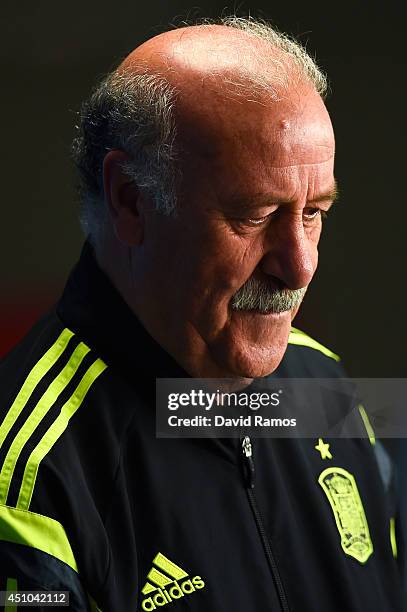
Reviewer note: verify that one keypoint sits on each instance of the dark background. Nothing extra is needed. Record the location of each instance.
(53, 53)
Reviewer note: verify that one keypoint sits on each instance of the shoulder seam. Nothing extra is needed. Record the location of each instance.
(37, 531)
(300, 338)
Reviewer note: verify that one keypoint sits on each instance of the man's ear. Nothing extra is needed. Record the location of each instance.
(123, 199)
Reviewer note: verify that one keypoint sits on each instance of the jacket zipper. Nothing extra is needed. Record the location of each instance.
(250, 482)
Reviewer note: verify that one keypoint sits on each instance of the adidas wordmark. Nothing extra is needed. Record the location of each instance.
(167, 582)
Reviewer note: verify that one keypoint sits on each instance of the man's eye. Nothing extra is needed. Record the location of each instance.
(257, 221)
(310, 214)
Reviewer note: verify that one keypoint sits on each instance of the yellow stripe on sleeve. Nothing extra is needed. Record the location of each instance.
(366, 422)
(299, 338)
(37, 373)
(55, 431)
(11, 587)
(393, 541)
(38, 531)
(38, 413)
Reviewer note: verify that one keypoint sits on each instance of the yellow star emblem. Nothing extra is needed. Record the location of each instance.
(323, 448)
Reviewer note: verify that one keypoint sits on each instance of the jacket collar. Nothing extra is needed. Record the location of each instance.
(92, 307)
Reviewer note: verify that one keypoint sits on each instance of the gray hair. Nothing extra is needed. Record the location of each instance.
(131, 112)
(134, 112)
(257, 295)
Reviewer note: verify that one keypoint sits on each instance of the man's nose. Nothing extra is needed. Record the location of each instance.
(290, 255)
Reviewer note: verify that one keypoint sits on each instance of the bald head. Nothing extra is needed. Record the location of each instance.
(172, 84)
(237, 55)
(200, 52)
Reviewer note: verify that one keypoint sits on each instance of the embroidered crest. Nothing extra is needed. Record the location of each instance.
(343, 495)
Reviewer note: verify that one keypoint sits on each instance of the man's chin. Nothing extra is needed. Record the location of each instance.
(255, 366)
(254, 344)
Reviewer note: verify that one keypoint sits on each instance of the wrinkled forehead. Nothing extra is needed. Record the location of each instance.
(227, 126)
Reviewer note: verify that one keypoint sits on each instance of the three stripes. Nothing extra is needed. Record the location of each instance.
(158, 578)
(42, 407)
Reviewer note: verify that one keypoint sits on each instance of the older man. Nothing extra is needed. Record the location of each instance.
(206, 161)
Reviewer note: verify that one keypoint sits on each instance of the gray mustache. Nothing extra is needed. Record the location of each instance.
(258, 295)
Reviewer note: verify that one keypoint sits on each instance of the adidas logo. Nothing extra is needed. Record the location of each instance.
(167, 582)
